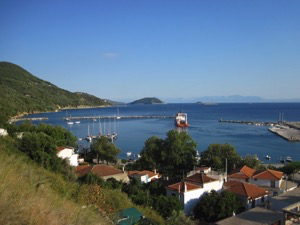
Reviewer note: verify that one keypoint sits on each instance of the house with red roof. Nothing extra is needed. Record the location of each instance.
(144, 176)
(68, 153)
(250, 194)
(192, 188)
(103, 171)
(268, 178)
(243, 174)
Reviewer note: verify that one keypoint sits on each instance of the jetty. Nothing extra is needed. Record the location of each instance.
(290, 131)
(255, 123)
(115, 117)
(30, 119)
(286, 132)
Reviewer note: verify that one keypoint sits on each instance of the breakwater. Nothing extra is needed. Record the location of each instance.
(31, 119)
(115, 117)
(255, 123)
(289, 131)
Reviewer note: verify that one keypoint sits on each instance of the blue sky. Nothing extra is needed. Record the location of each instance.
(126, 50)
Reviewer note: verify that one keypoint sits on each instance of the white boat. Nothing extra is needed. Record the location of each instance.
(70, 122)
(118, 116)
(289, 159)
(89, 138)
(77, 122)
(128, 154)
(268, 157)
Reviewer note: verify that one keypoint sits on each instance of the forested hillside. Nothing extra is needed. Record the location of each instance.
(21, 92)
(147, 101)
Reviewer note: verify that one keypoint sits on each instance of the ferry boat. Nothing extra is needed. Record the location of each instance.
(181, 120)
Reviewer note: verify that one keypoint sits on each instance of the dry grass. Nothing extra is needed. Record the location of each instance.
(30, 194)
(26, 196)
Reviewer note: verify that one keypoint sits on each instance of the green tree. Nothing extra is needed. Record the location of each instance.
(251, 161)
(213, 206)
(290, 169)
(165, 205)
(216, 155)
(40, 148)
(104, 150)
(179, 218)
(60, 135)
(91, 178)
(173, 156)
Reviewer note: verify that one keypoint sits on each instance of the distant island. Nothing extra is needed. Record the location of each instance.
(147, 100)
(207, 103)
(22, 93)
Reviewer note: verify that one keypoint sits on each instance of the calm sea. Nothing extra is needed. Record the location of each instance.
(204, 126)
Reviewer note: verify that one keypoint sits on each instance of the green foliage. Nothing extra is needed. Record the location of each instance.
(91, 178)
(291, 168)
(165, 205)
(152, 195)
(147, 101)
(22, 92)
(104, 150)
(172, 156)
(112, 183)
(179, 218)
(60, 135)
(216, 154)
(213, 206)
(251, 161)
(33, 195)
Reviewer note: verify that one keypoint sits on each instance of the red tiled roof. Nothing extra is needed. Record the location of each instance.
(104, 170)
(245, 189)
(202, 168)
(243, 173)
(83, 170)
(181, 185)
(199, 178)
(147, 172)
(269, 175)
(132, 172)
(60, 148)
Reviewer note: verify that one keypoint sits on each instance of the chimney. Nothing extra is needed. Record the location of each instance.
(155, 171)
(123, 169)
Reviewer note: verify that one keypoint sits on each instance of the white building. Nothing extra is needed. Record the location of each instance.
(268, 178)
(144, 176)
(192, 188)
(3, 132)
(250, 194)
(68, 153)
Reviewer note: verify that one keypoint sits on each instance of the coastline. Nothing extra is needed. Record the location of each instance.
(20, 115)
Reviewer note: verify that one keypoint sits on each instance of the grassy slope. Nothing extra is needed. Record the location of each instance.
(22, 92)
(26, 196)
(30, 194)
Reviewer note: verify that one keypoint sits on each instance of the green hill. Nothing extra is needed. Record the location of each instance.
(21, 92)
(147, 101)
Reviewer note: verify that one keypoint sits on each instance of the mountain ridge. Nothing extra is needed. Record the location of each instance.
(24, 93)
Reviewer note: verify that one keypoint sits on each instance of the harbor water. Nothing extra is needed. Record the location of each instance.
(205, 127)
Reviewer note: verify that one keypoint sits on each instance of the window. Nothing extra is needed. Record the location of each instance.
(272, 183)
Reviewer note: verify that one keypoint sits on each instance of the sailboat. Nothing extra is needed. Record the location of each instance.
(89, 137)
(118, 116)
